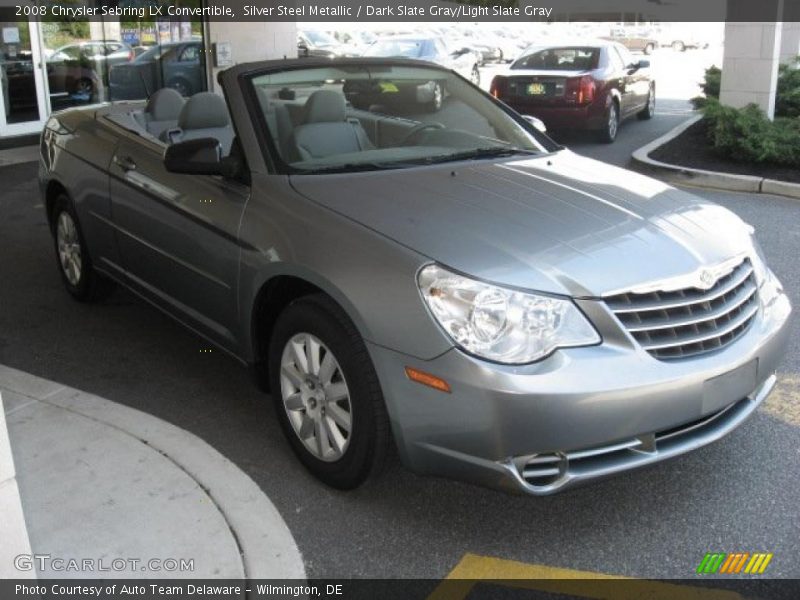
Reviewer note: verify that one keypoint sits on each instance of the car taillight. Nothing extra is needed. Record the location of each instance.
(131, 55)
(498, 87)
(580, 90)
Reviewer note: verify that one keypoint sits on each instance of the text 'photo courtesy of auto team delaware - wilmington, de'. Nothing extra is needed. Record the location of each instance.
(455, 13)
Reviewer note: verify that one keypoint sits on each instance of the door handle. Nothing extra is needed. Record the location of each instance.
(126, 164)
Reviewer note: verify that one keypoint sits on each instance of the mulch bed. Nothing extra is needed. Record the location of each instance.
(692, 149)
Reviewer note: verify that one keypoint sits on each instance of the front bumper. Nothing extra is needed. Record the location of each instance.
(582, 413)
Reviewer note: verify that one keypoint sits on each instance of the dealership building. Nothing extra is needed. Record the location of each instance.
(47, 66)
(50, 65)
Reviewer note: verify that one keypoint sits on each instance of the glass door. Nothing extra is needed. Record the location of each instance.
(23, 108)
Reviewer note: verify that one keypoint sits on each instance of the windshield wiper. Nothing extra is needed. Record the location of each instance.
(479, 153)
(354, 167)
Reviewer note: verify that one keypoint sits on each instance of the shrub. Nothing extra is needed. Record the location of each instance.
(747, 135)
(787, 101)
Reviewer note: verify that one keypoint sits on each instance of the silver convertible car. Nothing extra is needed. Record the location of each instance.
(454, 285)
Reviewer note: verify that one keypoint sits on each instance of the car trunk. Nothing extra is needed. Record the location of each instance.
(540, 88)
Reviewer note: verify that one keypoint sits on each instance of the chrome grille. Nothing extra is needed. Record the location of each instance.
(691, 321)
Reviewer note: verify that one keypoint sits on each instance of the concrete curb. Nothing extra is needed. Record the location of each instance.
(709, 179)
(267, 547)
(13, 531)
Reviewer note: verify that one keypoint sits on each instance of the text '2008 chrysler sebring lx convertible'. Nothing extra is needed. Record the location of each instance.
(452, 283)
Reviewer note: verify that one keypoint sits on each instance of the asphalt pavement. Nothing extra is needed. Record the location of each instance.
(739, 494)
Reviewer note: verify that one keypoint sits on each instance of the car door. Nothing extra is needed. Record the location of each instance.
(178, 237)
(623, 78)
(638, 80)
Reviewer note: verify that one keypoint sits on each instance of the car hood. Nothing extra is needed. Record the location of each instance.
(560, 223)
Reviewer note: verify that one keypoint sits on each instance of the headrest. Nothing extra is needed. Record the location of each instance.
(325, 106)
(204, 110)
(165, 105)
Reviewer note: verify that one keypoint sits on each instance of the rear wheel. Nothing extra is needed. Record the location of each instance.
(436, 103)
(608, 133)
(326, 393)
(84, 89)
(650, 108)
(181, 86)
(74, 262)
(678, 46)
(648, 49)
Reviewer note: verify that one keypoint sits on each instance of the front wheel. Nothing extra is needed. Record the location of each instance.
(475, 75)
(648, 49)
(650, 108)
(678, 46)
(326, 393)
(608, 133)
(74, 262)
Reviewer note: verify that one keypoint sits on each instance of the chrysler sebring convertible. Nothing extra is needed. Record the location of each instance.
(453, 286)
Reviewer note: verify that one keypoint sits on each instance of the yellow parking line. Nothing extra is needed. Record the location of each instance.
(784, 401)
(509, 573)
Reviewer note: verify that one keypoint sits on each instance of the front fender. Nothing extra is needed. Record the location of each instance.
(371, 277)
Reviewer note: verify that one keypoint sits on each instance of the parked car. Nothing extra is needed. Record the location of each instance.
(179, 65)
(634, 41)
(69, 82)
(316, 43)
(461, 59)
(500, 309)
(679, 39)
(355, 40)
(590, 87)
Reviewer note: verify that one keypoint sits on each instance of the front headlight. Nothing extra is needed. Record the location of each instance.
(500, 324)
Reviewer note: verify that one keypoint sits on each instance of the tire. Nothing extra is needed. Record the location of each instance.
(72, 256)
(435, 105)
(648, 49)
(304, 402)
(181, 86)
(84, 88)
(475, 75)
(608, 133)
(650, 108)
(678, 46)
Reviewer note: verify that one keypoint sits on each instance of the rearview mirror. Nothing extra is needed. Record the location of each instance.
(198, 157)
(538, 124)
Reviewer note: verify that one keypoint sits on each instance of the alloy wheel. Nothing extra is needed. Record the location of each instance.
(613, 122)
(316, 397)
(438, 96)
(69, 248)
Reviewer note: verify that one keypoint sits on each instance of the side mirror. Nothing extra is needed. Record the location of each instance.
(643, 64)
(198, 157)
(302, 49)
(538, 124)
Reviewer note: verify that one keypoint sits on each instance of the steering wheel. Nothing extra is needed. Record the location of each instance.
(417, 129)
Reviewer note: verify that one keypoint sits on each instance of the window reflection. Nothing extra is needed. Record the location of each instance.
(99, 61)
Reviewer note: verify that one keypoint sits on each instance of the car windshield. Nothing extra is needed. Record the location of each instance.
(319, 38)
(559, 59)
(374, 116)
(399, 48)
